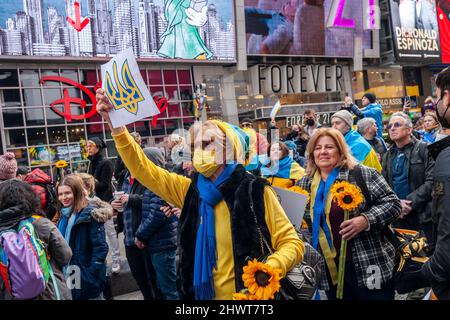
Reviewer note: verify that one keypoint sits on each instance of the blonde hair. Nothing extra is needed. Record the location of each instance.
(88, 182)
(347, 160)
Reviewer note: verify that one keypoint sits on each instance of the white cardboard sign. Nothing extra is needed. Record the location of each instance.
(126, 90)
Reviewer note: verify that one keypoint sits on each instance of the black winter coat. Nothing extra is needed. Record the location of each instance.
(102, 170)
(420, 173)
(437, 269)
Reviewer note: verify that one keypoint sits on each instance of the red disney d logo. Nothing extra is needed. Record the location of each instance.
(66, 100)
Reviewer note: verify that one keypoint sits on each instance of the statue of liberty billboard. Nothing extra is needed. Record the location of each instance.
(181, 40)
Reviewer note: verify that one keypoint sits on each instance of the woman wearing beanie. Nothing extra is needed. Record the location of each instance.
(372, 109)
(8, 166)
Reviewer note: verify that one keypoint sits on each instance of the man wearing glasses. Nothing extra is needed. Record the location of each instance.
(408, 169)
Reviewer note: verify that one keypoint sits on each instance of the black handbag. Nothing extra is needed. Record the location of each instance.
(302, 281)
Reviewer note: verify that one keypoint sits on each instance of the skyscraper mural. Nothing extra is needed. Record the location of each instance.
(157, 29)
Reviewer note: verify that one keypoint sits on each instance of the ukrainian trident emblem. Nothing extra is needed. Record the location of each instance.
(126, 93)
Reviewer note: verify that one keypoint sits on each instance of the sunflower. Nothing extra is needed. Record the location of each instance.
(244, 295)
(262, 280)
(347, 195)
(300, 190)
(61, 164)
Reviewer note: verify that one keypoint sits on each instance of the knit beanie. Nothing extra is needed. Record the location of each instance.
(8, 166)
(98, 142)
(371, 97)
(345, 116)
(155, 155)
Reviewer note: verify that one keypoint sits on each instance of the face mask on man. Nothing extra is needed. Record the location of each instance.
(205, 162)
(310, 122)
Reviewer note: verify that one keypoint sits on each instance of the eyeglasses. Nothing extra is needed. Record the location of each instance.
(395, 125)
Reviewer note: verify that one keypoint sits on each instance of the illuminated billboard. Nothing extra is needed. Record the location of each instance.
(416, 32)
(309, 27)
(443, 12)
(155, 29)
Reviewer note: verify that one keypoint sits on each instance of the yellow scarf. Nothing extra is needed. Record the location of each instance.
(328, 253)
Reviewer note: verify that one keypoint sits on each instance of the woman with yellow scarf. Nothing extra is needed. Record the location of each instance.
(369, 259)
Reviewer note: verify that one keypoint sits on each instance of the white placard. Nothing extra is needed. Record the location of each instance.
(126, 90)
(293, 203)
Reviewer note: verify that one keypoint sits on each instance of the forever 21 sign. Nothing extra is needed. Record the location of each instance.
(276, 79)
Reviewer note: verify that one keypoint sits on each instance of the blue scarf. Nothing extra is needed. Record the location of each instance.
(205, 245)
(359, 147)
(66, 222)
(282, 170)
(320, 220)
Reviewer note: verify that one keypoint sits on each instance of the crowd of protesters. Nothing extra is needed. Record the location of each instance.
(193, 213)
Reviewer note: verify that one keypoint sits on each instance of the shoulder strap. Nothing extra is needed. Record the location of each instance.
(357, 174)
(388, 232)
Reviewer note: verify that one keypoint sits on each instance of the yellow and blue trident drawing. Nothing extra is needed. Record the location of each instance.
(124, 96)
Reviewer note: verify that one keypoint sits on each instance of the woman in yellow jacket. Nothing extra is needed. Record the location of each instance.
(281, 171)
(217, 227)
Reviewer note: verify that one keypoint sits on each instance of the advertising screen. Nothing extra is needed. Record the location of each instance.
(443, 12)
(155, 29)
(416, 32)
(308, 27)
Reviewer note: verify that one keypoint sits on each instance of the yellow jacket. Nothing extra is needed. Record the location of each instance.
(289, 249)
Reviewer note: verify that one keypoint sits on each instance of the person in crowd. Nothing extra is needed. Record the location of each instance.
(85, 236)
(431, 127)
(330, 160)
(22, 173)
(18, 201)
(258, 147)
(43, 186)
(119, 166)
(293, 153)
(138, 259)
(282, 171)
(436, 269)
(372, 109)
(102, 170)
(367, 127)
(174, 147)
(310, 122)
(8, 166)
(299, 137)
(150, 237)
(217, 196)
(359, 147)
(428, 106)
(408, 169)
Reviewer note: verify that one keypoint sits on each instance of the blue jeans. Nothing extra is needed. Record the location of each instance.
(166, 274)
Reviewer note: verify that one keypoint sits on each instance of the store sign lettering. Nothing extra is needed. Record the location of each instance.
(370, 14)
(66, 101)
(286, 79)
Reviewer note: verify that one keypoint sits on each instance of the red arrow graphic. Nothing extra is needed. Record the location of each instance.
(78, 24)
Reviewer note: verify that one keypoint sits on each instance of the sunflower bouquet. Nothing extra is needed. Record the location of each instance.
(59, 168)
(261, 281)
(348, 197)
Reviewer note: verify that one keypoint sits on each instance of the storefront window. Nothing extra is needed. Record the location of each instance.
(8, 78)
(21, 156)
(13, 117)
(42, 136)
(15, 138)
(11, 98)
(34, 116)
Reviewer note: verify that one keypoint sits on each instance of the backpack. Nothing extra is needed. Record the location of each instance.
(51, 197)
(24, 265)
